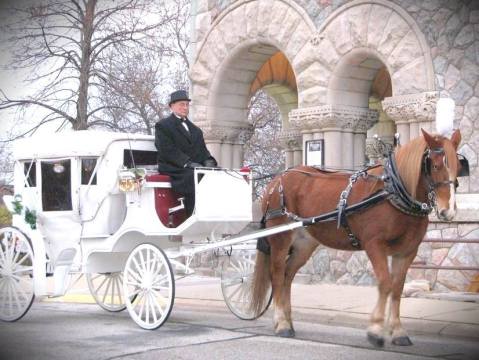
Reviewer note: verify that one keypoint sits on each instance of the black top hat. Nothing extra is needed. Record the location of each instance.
(179, 95)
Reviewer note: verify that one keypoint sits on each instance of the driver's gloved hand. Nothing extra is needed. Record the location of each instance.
(210, 163)
(192, 165)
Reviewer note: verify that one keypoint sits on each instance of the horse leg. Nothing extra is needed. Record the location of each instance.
(399, 268)
(379, 261)
(279, 251)
(303, 246)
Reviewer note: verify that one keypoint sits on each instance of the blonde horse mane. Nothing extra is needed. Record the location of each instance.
(409, 160)
(409, 163)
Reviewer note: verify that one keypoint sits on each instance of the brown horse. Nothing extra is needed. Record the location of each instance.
(428, 167)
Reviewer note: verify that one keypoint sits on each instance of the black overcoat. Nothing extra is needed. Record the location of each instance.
(176, 147)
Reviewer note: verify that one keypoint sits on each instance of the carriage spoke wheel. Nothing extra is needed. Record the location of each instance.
(107, 290)
(148, 286)
(236, 281)
(16, 274)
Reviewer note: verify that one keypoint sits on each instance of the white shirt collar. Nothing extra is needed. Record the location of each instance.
(179, 117)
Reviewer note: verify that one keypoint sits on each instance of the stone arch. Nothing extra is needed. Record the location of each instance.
(350, 47)
(389, 34)
(240, 40)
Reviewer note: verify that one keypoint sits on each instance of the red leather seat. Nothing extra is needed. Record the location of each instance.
(165, 199)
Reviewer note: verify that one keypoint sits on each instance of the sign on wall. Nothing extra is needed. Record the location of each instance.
(314, 152)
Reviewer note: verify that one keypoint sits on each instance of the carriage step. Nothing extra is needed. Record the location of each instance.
(63, 264)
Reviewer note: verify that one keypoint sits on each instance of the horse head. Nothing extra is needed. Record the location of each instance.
(441, 168)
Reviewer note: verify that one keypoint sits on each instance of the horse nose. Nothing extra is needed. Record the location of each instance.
(446, 214)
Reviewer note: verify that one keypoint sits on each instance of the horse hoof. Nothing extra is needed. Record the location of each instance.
(376, 340)
(402, 341)
(286, 333)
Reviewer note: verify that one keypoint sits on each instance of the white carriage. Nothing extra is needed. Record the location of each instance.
(92, 203)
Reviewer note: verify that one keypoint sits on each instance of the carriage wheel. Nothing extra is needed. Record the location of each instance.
(107, 290)
(236, 279)
(16, 274)
(148, 286)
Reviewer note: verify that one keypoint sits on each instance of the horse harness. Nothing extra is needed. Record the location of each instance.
(394, 191)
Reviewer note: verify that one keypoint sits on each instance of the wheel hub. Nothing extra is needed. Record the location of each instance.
(147, 282)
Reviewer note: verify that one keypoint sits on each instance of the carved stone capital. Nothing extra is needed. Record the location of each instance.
(226, 133)
(291, 139)
(341, 117)
(378, 149)
(412, 107)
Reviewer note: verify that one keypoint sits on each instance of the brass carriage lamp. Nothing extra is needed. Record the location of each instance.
(127, 181)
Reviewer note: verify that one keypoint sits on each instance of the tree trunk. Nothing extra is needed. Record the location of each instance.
(81, 121)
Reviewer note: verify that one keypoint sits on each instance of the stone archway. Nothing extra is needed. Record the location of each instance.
(242, 39)
(349, 49)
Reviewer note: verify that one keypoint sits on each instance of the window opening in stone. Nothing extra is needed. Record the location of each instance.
(385, 128)
(263, 151)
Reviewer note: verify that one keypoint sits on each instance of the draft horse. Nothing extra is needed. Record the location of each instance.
(418, 177)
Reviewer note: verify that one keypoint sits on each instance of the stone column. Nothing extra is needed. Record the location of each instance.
(225, 142)
(384, 129)
(342, 127)
(291, 142)
(348, 149)
(332, 148)
(360, 149)
(412, 112)
(226, 159)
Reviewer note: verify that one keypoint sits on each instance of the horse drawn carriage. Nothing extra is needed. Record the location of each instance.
(92, 203)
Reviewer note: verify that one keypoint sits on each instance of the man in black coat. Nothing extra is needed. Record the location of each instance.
(181, 147)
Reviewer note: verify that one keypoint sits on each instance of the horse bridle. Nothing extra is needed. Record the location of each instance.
(431, 185)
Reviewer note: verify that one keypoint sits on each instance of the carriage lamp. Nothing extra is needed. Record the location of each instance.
(127, 181)
(58, 168)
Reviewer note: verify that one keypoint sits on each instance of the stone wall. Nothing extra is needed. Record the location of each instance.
(451, 29)
(449, 39)
(343, 267)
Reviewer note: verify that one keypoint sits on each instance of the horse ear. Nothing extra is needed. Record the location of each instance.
(431, 141)
(456, 138)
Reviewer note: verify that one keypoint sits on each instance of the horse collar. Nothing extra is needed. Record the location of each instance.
(399, 196)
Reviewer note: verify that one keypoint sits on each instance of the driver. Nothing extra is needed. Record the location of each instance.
(181, 147)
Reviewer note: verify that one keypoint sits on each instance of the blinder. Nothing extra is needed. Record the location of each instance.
(464, 171)
(427, 159)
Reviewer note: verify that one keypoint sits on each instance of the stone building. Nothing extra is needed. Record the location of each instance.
(341, 71)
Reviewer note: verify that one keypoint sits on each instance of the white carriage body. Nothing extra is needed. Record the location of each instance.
(95, 225)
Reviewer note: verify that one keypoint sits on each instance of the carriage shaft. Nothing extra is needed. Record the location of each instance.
(229, 241)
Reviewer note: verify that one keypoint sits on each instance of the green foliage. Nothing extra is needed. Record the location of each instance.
(17, 205)
(31, 218)
(30, 215)
(5, 216)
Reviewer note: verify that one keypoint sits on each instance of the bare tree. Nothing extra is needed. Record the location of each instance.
(139, 82)
(262, 150)
(6, 164)
(65, 44)
(132, 99)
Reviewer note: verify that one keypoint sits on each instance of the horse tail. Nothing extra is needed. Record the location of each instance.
(260, 283)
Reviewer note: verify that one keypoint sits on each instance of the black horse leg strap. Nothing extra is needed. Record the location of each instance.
(342, 204)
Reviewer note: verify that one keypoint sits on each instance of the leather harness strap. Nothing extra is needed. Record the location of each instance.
(394, 191)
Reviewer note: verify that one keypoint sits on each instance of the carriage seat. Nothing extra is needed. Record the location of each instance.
(168, 203)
